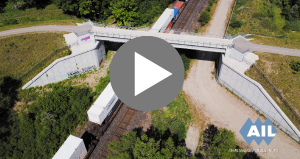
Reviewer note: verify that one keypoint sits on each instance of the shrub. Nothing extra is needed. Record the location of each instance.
(236, 24)
(295, 26)
(10, 21)
(204, 17)
(211, 2)
(51, 7)
(295, 65)
(208, 8)
(103, 82)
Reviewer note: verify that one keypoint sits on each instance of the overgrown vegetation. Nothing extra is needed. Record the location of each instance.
(186, 63)
(124, 12)
(176, 117)
(44, 117)
(278, 69)
(147, 145)
(217, 143)
(206, 15)
(21, 52)
(295, 65)
(271, 18)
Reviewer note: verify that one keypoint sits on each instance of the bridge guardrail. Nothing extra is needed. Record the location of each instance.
(170, 40)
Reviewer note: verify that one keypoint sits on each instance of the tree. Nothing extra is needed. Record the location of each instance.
(295, 11)
(221, 144)
(124, 11)
(204, 17)
(89, 8)
(133, 146)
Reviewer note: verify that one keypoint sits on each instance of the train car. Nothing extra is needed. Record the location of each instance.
(72, 148)
(176, 13)
(169, 27)
(105, 105)
(179, 5)
(163, 21)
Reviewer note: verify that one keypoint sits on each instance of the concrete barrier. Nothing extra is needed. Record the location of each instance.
(256, 96)
(70, 66)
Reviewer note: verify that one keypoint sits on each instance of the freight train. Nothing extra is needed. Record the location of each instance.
(105, 106)
(168, 18)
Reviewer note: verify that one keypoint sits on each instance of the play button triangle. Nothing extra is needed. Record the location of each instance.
(147, 73)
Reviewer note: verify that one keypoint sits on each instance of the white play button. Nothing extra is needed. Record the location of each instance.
(147, 73)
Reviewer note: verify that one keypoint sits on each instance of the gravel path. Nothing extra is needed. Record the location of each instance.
(218, 22)
(222, 108)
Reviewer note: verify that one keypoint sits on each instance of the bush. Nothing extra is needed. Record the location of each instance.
(51, 7)
(103, 82)
(204, 17)
(10, 21)
(295, 65)
(211, 2)
(295, 26)
(236, 24)
(208, 8)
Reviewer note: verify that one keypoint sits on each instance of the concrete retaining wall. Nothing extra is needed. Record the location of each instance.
(69, 66)
(255, 95)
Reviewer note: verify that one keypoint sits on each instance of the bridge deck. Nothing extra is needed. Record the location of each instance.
(178, 41)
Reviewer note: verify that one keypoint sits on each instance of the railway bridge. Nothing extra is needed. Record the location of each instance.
(177, 41)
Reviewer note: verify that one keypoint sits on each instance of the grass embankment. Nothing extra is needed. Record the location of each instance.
(265, 18)
(51, 15)
(21, 52)
(278, 70)
(290, 40)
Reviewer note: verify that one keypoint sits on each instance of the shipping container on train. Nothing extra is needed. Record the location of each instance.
(104, 106)
(168, 27)
(163, 21)
(179, 5)
(176, 13)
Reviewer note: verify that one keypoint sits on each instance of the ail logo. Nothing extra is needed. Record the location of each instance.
(258, 131)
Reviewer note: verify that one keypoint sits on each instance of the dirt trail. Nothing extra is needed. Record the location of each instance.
(227, 111)
(219, 20)
(222, 108)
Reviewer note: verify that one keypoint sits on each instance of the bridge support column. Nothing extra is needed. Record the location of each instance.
(100, 54)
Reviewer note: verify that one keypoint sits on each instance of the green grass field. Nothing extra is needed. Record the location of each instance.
(278, 70)
(263, 17)
(21, 52)
(13, 19)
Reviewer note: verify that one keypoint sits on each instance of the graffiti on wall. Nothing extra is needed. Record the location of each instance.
(86, 38)
(81, 71)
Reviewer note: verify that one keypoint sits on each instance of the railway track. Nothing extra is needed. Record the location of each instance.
(119, 130)
(185, 15)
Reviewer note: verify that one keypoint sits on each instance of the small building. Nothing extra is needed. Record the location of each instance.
(72, 148)
(104, 106)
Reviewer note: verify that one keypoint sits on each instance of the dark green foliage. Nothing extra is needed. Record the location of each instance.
(176, 118)
(236, 24)
(186, 62)
(8, 117)
(10, 21)
(204, 17)
(208, 8)
(43, 126)
(216, 143)
(295, 65)
(177, 127)
(2, 5)
(211, 2)
(295, 26)
(135, 145)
